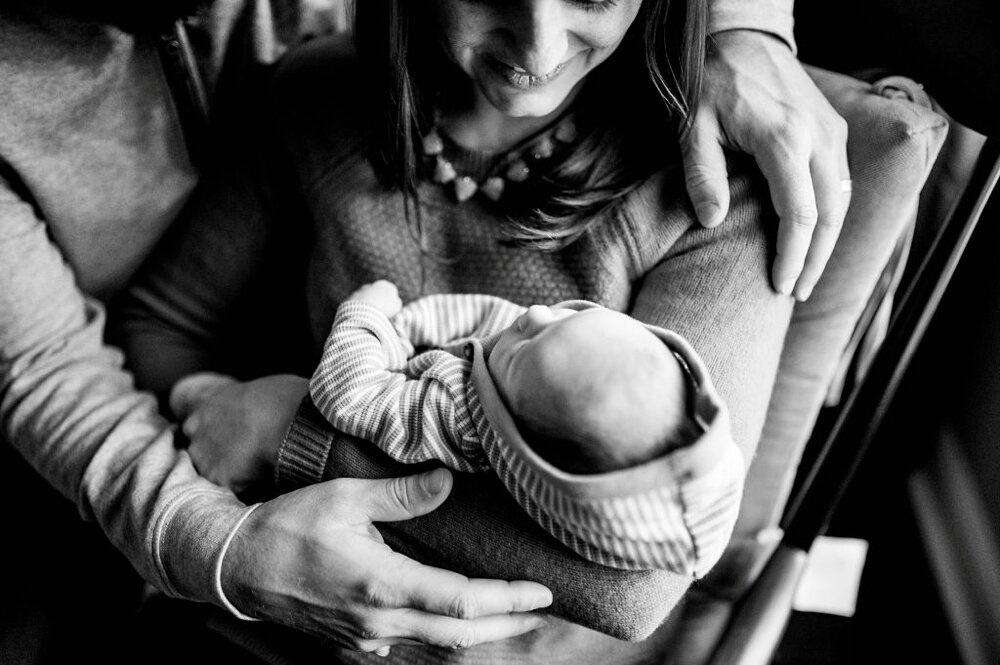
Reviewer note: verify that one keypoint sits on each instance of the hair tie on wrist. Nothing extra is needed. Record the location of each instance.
(217, 577)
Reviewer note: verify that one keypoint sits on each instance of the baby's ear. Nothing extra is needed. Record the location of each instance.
(685, 435)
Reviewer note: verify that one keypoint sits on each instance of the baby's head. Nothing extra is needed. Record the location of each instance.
(593, 390)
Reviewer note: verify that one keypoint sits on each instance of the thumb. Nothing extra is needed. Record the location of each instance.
(395, 499)
(705, 172)
(190, 391)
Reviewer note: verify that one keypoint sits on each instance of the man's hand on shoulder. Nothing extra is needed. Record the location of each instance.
(758, 99)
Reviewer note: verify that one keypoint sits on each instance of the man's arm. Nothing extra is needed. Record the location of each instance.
(73, 413)
(757, 99)
(771, 16)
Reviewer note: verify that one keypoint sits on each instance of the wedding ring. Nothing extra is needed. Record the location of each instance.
(845, 185)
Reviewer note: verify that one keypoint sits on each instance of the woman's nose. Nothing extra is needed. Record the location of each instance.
(541, 36)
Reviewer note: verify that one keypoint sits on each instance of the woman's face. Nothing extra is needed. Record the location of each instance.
(526, 56)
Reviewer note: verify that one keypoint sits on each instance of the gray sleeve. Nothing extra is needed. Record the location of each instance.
(772, 16)
(69, 408)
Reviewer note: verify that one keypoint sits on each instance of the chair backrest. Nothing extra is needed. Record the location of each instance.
(949, 46)
(892, 145)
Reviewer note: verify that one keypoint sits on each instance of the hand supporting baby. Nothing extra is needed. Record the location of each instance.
(313, 558)
(215, 409)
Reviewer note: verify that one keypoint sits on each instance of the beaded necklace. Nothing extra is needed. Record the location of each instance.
(467, 173)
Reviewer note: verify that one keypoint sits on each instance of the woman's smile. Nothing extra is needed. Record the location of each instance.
(521, 78)
(527, 58)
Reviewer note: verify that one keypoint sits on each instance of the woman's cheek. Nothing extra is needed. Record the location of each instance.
(462, 30)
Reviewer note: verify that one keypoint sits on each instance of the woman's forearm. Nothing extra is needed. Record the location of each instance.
(178, 316)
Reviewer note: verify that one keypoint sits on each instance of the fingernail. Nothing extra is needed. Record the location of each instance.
(433, 482)
(708, 212)
(539, 622)
(543, 599)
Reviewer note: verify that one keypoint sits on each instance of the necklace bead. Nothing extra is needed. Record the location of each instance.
(465, 187)
(432, 143)
(493, 188)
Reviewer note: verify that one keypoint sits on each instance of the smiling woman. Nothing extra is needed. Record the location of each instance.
(528, 59)
(494, 86)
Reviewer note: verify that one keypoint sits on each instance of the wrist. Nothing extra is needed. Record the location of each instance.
(225, 566)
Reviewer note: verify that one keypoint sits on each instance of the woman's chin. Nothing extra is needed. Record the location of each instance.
(524, 104)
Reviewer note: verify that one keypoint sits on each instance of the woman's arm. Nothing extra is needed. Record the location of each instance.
(223, 288)
(712, 287)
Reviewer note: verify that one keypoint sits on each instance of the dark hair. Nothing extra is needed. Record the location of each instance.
(628, 114)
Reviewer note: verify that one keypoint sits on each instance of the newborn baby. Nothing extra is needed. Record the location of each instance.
(604, 429)
(593, 390)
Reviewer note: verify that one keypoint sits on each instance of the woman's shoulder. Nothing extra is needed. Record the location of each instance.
(658, 214)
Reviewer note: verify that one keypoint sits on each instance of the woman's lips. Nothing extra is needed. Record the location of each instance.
(520, 78)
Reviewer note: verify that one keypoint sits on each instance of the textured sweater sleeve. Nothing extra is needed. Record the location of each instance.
(773, 16)
(711, 286)
(439, 320)
(73, 413)
(417, 412)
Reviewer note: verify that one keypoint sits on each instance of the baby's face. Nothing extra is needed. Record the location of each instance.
(596, 377)
(520, 343)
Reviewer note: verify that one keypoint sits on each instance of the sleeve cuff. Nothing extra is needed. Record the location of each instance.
(771, 16)
(303, 454)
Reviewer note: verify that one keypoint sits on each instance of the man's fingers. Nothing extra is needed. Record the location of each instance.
(705, 173)
(444, 631)
(395, 499)
(443, 592)
(413, 601)
(406, 626)
(831, 182)
(790, 181)
(190, 391)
